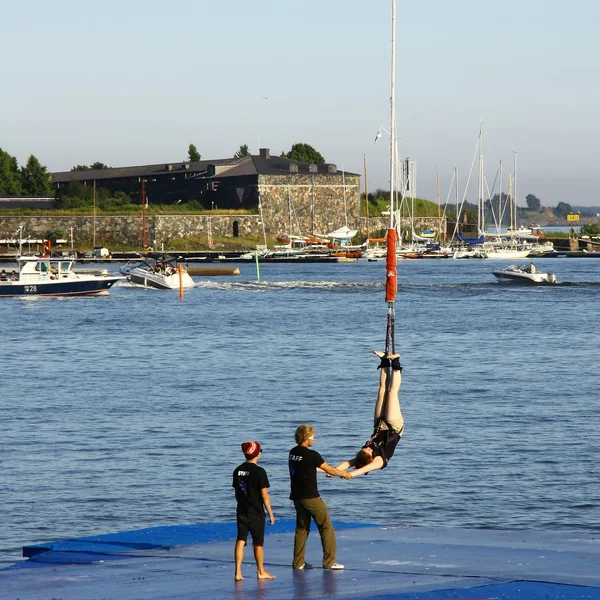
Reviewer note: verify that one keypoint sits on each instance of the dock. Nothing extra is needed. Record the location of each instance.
(191, 562)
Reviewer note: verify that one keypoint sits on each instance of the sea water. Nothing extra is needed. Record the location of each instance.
(128, 410)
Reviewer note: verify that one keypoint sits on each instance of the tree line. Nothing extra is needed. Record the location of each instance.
(300, 152)
(32, 179)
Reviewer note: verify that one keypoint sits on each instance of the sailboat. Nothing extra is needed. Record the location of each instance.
(501, 247)
(473, 246)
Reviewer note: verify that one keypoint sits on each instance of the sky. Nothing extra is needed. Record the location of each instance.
(134, 82)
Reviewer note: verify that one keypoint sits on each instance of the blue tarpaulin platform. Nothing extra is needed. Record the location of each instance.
(385, 563)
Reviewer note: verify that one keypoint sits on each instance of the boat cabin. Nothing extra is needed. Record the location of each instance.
(39, 268)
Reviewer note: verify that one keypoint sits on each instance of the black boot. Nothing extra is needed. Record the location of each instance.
(385, 363)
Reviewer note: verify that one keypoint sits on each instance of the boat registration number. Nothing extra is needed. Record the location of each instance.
(31, 289)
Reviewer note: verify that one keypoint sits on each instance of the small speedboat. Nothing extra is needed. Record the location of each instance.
(162, 273)
(45, 276)
(526, 274)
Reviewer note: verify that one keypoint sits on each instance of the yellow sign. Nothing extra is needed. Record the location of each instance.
(572, 217)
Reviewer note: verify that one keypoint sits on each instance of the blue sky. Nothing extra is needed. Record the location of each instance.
(135, 82)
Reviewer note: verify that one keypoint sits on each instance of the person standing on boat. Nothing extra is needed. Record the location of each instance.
(388, 422)
(303, 465)
(250, 483)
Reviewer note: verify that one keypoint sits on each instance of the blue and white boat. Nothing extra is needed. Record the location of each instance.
(46, 276)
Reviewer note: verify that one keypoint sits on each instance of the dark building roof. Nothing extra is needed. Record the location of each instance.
(192, 167)
(26, 202)
(258, 164)
(265, 164)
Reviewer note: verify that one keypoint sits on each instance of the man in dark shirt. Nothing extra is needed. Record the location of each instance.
(388, 422)
(251, 482)
(303, 464)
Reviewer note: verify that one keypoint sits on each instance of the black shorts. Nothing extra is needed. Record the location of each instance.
(255, 525)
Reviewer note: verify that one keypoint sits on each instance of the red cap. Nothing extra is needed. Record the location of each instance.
(251, 449)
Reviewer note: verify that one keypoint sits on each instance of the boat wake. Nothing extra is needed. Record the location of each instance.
(583, 284)
(125, 283)
(356, 286)
(275, 286)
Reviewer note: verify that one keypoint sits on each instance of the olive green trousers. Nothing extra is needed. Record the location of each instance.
(316, 509)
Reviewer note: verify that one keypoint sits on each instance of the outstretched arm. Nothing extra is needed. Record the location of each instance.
(374, 465)
(344, 466)
(335, 472)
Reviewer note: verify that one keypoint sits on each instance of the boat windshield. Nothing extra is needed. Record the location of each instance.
(63, 266)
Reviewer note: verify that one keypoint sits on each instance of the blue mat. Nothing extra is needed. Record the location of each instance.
(189, 562)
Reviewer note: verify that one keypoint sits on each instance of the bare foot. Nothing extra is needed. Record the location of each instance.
(265, 575)
(238, 577)
(379, 353)
(392, 356)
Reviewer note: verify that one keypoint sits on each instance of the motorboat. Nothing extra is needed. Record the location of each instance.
(46, 276)
(162, 273)
(525, 274)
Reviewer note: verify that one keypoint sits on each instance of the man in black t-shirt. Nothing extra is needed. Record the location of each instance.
(388, 422)
(303, 464)
(250, 483)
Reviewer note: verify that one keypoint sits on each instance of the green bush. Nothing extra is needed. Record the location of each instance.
(57, 234)
(119, 200)
(590, 229)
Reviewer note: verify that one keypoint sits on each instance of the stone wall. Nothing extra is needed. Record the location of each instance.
(126, 229)
(301, 204)
(329, 214)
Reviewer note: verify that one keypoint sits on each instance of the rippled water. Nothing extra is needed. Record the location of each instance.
(127, 410)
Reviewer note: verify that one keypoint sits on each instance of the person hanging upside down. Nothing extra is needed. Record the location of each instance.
(388, 421)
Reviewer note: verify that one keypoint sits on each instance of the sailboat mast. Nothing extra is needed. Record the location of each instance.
(413, 192)
(515, 186)
(344, 189)
(500, 213)
(510, 200)
(391, 284)
(480, 199)
(290, 209)
(366, 198)
(393, 118)
(457, 219)
(312, 207)
(144, 242)
(262, 220)
(94, 219)
(437, 193)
